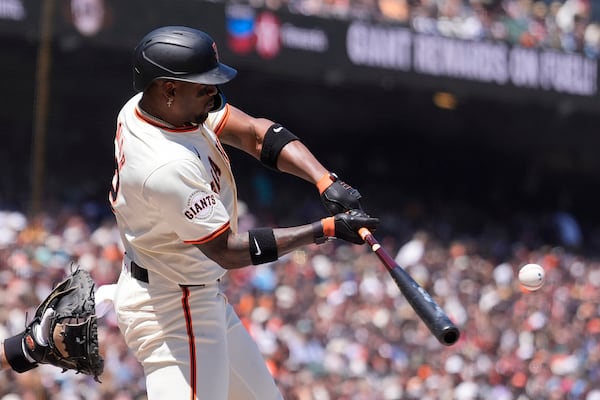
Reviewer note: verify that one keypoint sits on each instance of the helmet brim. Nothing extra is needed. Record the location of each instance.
(220, 74)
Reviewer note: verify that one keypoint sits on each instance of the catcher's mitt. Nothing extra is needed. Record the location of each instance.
(64, 331)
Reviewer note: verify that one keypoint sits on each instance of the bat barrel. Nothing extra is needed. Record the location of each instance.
(424, 305)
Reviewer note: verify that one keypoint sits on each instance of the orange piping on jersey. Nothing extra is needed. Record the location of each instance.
(185, 304)
(223, 121)
(210, 237)
(163, 126)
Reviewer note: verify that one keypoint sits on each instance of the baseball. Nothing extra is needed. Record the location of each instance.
(531, 276)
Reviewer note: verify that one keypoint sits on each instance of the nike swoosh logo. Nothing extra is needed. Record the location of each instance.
(277, 130)
(258, 250)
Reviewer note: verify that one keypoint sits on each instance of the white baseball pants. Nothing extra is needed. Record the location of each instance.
(190, 342)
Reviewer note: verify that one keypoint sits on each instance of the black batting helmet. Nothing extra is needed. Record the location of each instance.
(181, 53)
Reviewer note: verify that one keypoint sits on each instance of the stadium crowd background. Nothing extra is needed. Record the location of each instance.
(331, 324)
(571, 25)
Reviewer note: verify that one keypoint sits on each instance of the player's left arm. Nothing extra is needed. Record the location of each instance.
(248, 133)
(279, 149)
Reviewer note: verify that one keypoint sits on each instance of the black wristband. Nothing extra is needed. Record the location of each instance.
(318, 233)
(263, 247)
(13, 351)
(275, 139)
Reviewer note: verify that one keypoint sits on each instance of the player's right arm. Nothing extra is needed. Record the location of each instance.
(198, 215)
(262, 245)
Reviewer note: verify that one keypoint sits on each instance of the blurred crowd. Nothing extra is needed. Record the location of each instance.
(331, 323)
(569, 25)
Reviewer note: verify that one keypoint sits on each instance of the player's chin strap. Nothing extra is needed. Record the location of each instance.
(219, 101)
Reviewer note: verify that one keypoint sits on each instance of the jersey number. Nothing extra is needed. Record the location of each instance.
(119, 161)
(215, 171)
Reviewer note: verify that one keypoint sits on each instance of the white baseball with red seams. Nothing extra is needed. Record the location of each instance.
(531, 276)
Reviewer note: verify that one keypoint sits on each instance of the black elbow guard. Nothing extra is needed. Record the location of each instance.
(275, 139)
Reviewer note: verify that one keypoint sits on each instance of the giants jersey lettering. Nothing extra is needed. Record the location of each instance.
(172, 188)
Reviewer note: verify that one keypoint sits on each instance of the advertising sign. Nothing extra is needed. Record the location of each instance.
(336, 51)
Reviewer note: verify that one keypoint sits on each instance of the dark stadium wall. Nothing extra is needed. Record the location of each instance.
(494, 154)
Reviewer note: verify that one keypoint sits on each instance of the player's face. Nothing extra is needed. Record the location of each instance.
(195, 101)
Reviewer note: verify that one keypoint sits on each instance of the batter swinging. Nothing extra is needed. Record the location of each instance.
(174, 198)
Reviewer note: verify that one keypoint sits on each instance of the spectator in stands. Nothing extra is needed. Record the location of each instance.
(331, 325)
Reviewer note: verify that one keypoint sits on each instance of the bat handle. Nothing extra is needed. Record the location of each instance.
(368, 237)
(363, 232)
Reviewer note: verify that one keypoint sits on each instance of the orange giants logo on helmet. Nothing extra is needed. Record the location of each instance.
(214, 46)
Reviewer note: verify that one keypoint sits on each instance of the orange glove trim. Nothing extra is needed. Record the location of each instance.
(324, 182)
(328, 226)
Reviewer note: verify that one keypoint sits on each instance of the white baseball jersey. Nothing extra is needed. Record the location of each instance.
(172, 188)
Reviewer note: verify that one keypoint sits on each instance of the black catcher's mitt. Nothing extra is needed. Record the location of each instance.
(64, 332)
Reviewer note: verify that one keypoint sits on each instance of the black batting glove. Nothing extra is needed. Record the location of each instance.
(344, 226)
(337, 196)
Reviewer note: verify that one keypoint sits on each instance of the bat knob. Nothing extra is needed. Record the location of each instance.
(449, 336)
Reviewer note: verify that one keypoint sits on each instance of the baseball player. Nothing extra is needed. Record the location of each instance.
(175, 202)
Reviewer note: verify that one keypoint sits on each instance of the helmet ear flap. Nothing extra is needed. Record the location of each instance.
(219, 101)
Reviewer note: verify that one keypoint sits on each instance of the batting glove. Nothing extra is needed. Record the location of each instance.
(337, 196)
(344, 226)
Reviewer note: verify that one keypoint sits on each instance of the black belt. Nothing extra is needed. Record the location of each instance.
(139, 273)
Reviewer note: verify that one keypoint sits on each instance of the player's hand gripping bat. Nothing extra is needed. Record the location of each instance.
(424, 305)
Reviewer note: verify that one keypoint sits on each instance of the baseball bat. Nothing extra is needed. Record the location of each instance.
(424, 305)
